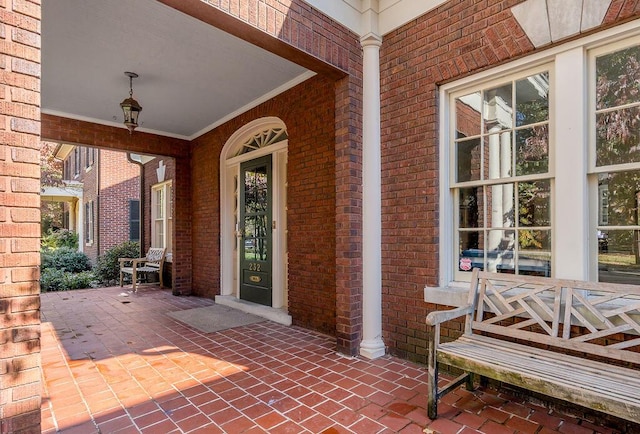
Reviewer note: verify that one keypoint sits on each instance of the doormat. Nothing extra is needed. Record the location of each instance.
(215, 318)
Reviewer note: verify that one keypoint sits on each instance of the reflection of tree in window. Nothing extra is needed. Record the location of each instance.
(256, 203)
(617, 128)
(618, 107)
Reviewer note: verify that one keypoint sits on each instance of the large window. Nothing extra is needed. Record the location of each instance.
(541, 167)
(89, 219)
(161, 215)
(501, 179)
(616, 83)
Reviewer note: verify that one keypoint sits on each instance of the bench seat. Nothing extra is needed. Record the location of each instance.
(572, 340)
(611, 389)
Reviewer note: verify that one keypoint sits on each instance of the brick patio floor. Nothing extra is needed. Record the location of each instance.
(121, 364)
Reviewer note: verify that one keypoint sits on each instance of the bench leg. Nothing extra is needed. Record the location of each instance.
(120, 278)
(469, 382)
(134, 278)
(432, 375)
(484, 381)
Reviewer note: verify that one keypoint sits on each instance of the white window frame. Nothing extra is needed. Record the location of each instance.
(89, 222)
(77, 162)
(165, 220)
(571, 123)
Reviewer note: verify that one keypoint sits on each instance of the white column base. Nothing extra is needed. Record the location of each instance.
(372, 349)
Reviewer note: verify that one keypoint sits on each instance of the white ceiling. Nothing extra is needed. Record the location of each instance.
(192, 76)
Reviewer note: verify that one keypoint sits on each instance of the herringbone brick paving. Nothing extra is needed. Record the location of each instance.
(116, 364)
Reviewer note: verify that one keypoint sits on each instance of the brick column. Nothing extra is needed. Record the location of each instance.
(20, 383)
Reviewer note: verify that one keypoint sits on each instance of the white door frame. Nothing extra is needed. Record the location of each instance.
(229, 184)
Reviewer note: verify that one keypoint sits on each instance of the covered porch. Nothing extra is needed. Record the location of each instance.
(115, 363)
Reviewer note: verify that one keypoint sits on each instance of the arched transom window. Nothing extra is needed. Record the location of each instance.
(262, 139)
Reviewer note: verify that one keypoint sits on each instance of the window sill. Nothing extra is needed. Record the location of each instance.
(446, 296)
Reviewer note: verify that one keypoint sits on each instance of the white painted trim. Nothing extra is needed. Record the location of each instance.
(346, 12)
(397, 13)
(264, 98)
(371, 345)
(112, 124)
(392, 13)
(230, 168)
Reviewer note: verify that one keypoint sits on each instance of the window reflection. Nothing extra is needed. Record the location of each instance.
(618, 231)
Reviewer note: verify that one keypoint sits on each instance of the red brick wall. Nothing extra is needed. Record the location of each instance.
(59, 129)
(296, 31)
(452, 41)
(119, 183)
(307, 111)
(20, 382)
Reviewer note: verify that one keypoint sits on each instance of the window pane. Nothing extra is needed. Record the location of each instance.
(532, 150)
(618, 257)
(500, 245)
(468, 115)
(471, 215)
(532, 99)
(618, 136)
(501, 206)
(471, 251)
(619, 197)
(498, 111)
(468, 160)
(497, 151)
(618, 78)
(534, 253)
(534, 203)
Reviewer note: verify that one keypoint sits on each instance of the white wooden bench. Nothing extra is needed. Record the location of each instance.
(517, 332)
(151, 263)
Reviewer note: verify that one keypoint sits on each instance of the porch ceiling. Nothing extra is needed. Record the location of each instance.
(192, 75)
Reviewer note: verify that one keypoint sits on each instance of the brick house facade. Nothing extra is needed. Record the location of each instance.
(110, 197)
(424, 64)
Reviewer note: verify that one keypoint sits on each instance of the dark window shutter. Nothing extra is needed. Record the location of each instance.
(134, 220)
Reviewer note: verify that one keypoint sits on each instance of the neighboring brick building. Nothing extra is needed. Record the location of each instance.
(110, 210)
(355, 189)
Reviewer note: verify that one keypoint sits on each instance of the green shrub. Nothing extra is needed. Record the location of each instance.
(52, 279)
(64, 259)
(108, 269)
(60, 238)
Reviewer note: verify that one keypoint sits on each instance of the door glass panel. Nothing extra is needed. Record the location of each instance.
(255, 238)
(255, 221)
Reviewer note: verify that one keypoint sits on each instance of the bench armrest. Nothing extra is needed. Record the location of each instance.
(129, 259)
(440, 316)
(134, 261)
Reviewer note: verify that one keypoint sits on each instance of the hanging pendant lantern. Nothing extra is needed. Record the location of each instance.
(130, 107)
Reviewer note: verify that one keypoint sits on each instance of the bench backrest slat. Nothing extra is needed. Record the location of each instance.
(596, 318)
(155, 254)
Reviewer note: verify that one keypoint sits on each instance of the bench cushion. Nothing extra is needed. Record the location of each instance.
(593, 384)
